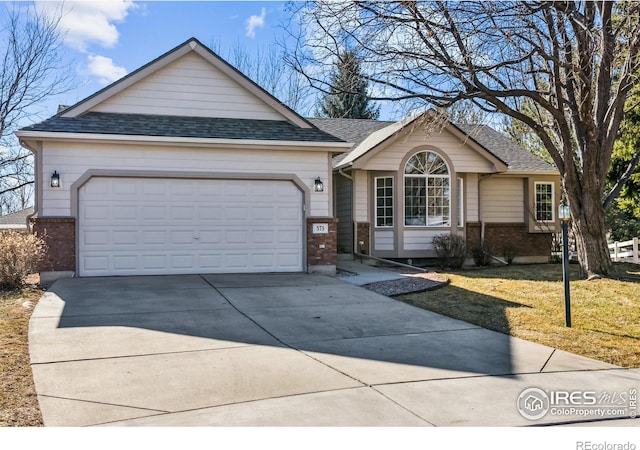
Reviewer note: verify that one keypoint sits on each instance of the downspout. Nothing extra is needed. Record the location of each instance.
(348, 177)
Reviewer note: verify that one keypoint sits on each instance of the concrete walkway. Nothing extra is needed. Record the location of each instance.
(284, 350)
(363, 273)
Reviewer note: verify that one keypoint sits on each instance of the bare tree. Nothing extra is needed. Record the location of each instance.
(266, 68)
(572, 61)
(31, 70)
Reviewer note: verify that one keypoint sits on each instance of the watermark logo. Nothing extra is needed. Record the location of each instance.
(535, 403)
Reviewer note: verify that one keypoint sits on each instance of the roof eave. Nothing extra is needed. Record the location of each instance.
(533, 172)
(27, 137)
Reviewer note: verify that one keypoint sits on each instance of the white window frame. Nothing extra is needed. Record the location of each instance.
(535, 200)
(426, 177)
(375, 199)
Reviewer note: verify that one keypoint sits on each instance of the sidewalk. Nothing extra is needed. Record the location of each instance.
(365, 273)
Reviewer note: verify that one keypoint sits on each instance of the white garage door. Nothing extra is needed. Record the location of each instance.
(150, 226)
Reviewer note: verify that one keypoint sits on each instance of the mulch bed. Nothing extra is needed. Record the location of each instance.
(412, 282)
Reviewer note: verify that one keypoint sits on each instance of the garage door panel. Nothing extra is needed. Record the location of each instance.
(151, 188)
(125, 237)
(209, 213)
(124, 262)
(153, 262)
(93, 263)
(152, 212)
(95, 213)
(158, 226)
(153, 237)
(125, 187)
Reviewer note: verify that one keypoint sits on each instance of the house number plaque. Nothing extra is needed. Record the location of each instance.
(320, 228)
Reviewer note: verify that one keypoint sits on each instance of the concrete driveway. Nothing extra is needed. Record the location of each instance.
(284, 350)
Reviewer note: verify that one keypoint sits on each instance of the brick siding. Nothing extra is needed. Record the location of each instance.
(59, 233)
(363, 234)
(509, 236)
(327, 255)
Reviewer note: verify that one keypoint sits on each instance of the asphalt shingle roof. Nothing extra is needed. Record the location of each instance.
(349, 130)
(16, 218)
(359, 130)
(517, 158)
(181, 126)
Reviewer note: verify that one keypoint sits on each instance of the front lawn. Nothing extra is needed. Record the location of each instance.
(527, 301)
(18, 400)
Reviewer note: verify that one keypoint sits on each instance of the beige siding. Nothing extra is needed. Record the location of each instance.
(383, 240)
(471, 187)
(189, 86)
(73, 160)
(502, 200)
(344, 198)
(464, 159)
(361, 203)
(420, 239)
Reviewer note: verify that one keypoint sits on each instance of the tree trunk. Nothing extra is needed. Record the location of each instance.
(591, 238)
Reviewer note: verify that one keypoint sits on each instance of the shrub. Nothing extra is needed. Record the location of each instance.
(19, 256)
(451, 250)
(481, 253)
(556, 248)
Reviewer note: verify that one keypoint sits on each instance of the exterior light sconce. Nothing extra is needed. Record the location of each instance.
(55, 180)
(318, 186)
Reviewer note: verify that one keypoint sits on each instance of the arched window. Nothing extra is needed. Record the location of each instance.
(427, 192)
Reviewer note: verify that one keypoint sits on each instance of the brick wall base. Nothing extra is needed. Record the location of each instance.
(59, 233)
(509, 238)
(363, 238)
(322, 250)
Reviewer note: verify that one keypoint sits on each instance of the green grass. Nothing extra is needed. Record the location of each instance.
(527, 301)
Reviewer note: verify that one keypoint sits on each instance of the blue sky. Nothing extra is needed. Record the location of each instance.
(105, 40)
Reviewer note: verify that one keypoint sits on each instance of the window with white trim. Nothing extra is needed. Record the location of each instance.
(384, 201)
(544, 202)
(427, 192)
(460, 202)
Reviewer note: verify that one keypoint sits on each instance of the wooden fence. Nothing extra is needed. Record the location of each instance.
(625, 251)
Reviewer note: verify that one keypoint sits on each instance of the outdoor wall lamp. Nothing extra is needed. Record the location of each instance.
(564, 214)
(318, 186)
(55, 180)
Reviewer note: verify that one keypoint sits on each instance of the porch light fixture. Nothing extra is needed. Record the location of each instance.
(318, 186)
(564, 214)
(55, 180)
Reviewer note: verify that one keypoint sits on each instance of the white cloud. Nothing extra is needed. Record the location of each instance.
(89, 22)
(104, 68)
(254, 22)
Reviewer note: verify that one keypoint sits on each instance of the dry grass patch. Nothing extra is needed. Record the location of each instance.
(527, 302)
(18, 401)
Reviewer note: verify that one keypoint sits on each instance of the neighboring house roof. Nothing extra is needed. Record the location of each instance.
(181, 126)
(369, 134)
(16, 219)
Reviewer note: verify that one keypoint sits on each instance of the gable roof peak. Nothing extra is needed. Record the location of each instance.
(190, 45)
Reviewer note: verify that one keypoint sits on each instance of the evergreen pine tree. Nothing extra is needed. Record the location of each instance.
(347, 96)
